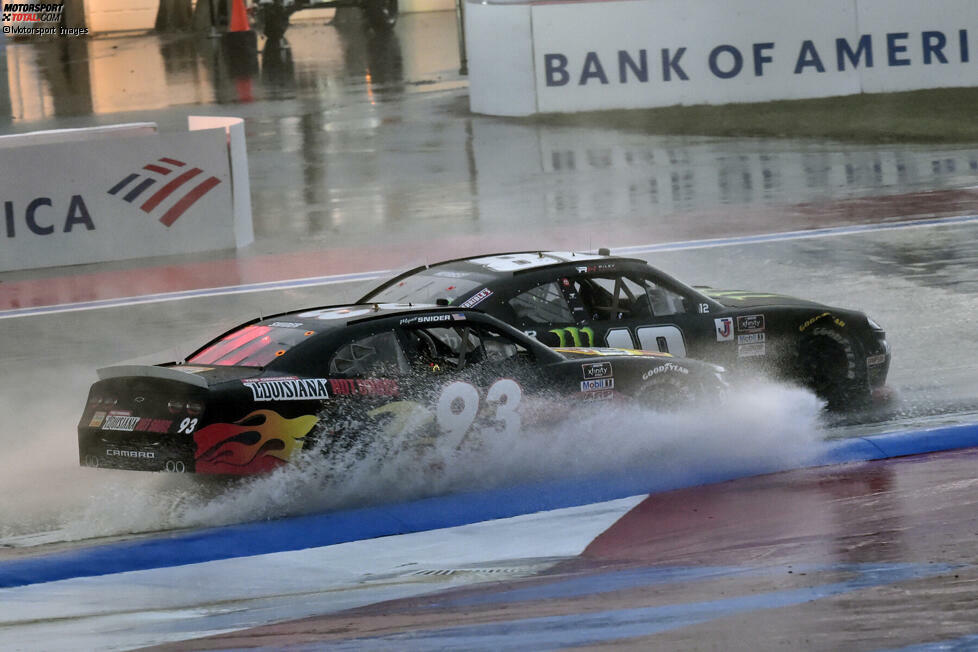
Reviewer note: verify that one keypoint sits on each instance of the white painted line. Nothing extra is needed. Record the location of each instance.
(196, 294)
(378, 274)
(794, 235)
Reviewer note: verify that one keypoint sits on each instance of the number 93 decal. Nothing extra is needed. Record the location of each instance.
(456, 410)
(459, 403)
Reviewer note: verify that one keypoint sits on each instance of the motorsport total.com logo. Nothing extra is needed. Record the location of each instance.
(24, 18)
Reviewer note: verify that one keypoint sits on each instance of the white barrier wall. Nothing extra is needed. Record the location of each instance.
(585, 55)
(125, 191)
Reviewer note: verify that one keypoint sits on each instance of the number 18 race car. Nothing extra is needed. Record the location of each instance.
(333, 378)
(565, 298)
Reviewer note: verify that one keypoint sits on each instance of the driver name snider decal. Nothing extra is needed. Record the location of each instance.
(292, 389)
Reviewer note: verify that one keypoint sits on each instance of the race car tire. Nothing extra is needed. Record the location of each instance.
(381, 14)
(827, 364)
(668, 392)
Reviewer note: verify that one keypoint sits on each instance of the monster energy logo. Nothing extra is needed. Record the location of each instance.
(574, 334)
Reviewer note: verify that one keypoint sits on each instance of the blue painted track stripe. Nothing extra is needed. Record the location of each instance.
(430, 514)
(378, 274)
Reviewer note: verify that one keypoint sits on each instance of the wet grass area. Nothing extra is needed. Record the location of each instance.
(944, 115)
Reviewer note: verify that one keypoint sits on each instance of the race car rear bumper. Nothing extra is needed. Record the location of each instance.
(134, 451)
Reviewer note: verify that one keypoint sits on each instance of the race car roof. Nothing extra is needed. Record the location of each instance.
(503, 264)
(328, 317)
(258, 342)
(523, 261)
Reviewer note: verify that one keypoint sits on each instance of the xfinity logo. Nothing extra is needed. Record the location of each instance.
(115, 452)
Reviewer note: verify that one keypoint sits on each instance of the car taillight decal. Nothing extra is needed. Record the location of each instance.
(245, 352)
(215, 352)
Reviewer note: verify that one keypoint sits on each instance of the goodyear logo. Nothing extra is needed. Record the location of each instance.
(835, 320)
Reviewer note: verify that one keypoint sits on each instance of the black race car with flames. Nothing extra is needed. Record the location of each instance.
(579, 299)
(333, 378)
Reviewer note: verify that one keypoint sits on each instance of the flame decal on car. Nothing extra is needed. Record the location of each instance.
(261, 441)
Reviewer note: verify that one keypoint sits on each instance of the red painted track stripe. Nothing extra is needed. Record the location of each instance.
(172, 161)
(158, 169)
(166, 190)
(188, 200)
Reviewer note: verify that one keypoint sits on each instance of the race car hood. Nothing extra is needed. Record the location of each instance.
(576, 352)
(745, 299)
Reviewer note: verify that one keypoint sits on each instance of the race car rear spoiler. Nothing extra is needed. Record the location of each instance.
(150, 371)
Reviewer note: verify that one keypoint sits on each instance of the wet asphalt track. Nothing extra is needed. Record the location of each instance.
(364, 157)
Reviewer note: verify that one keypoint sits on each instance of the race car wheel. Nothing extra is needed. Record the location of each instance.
(381, 14)
(827, 366)
(668, 392)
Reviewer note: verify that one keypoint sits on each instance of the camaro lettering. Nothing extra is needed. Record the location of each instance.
(669, 366)
(289, 390)
(115, 452)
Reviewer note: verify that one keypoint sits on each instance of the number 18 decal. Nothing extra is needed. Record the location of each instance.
(458, 407)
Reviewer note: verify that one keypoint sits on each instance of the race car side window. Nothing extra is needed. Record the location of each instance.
(374, 355)
(664, 301)
(444, 348)
(459, 347)
(614, 297)
(544, 304)
(500, 347)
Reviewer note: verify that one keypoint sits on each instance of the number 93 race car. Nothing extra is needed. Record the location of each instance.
(582, 299)
(332, 378)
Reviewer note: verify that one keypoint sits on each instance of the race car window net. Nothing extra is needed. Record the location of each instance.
(375, 355)
(251, 346)
(459, 347)
(543, 304)
(620, 297)
(429, 286)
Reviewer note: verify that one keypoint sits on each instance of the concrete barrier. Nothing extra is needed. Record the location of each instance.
(122, 191)
(624, 54)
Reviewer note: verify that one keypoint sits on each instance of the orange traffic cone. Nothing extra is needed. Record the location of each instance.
(239, 17)
(240, 41)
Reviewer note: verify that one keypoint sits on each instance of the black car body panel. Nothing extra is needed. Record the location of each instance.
(338, 377)
(567, 298)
